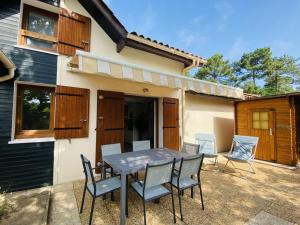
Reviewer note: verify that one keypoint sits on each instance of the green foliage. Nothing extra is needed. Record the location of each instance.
(277, 74)
(282, 73)
(217, 70)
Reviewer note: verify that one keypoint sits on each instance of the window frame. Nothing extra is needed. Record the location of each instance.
(23, 134)
(260, 120)
(25, 33)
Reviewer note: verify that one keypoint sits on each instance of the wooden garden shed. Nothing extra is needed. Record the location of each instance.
(276, 121)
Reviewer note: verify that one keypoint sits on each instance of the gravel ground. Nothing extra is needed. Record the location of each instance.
(230, 197)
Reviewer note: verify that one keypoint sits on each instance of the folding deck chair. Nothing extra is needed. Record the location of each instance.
(242, 150)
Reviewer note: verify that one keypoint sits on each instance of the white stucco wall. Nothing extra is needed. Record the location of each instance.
(207, 114)
(67, 164)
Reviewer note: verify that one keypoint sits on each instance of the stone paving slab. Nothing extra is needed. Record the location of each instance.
(264, 218)
(28, 207)
(63, 207)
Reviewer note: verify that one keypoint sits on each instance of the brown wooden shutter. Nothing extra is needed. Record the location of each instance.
(74, 32)
(171, 123)
(110, 120)
(72, 112)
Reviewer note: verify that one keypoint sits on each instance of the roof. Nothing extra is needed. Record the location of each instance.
(118, 33)
(292, 94)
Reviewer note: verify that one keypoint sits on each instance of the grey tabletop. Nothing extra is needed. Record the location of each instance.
(131, 162)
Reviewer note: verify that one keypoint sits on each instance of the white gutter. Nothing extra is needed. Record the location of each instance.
(91, 55)
(8, 65)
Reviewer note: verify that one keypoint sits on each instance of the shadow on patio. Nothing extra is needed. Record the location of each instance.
(230, 197)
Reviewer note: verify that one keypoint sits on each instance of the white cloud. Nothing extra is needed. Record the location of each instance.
(224, 8)
(148, 20)
(190, 38)
(236, 50)
(225, 11)
(281, 47)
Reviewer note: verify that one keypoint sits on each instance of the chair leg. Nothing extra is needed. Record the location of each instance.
(92, 210)
(179, 198)
(145, 219)
(199, 183)
(127, 196)
(83, 197)
(192, 188)
(173, 205)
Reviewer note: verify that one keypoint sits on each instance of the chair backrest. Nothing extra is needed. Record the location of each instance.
(207, 143)
(88, 172)
(141, 145)
(158, 173)
(191, 149)
(111, 149)
(244, 147)
(190, 165)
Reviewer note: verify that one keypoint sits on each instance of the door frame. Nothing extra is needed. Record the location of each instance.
(156, 115)
(272, 125)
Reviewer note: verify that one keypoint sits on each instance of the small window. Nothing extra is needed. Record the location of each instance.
(39, 29)
(260, 120)
(34, 116)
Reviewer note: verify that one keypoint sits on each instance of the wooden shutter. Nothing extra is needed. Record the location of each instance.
(110, 120)
(171, 123)
(74, 32)
(72, 112)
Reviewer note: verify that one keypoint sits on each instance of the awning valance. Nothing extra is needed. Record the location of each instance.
(8, 67)
(85, 62)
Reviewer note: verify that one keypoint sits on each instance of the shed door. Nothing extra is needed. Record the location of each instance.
(171, 123)
(262, 125)
(110, 120)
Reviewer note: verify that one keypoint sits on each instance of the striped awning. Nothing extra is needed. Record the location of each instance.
(84, 62)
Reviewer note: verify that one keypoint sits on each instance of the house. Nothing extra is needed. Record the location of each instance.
(73, 78)
(275, 120)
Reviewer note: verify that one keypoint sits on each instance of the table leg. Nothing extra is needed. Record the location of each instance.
(103, 171)
(123, 200)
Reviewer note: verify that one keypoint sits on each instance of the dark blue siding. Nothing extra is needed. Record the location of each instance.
(22, 166)
(9, 22)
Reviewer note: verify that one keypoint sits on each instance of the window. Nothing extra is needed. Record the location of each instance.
(64, 32)
(35, 107)
(39, 29)
(260, 120)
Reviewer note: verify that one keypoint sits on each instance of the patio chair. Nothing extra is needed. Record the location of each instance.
(110, 149)
(156, 176)
(207, 145)
(242, 150)
(141, 145)
(189, 148)
(189, 167)
(96, 188)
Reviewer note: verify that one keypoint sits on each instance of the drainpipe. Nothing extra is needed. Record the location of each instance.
(9, 65)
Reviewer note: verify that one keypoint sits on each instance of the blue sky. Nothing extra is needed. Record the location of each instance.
(202, 27)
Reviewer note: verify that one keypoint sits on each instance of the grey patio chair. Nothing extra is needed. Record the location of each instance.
(96, 188)
(207, 145)
(156, 176)
(191, 149)
(242, 150)
(141, 145)
(110, 149)
(189, 167)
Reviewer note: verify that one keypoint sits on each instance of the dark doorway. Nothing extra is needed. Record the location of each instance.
(139, 120)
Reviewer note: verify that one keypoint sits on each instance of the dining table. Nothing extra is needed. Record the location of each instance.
(132, 162)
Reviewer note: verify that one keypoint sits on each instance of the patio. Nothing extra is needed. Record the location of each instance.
(271, 196)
